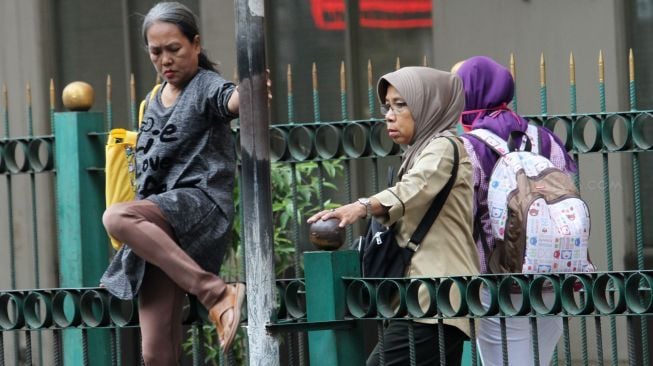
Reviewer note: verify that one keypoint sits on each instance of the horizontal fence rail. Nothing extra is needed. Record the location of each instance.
(575, 294)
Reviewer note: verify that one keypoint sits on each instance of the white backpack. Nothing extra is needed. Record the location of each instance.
(539, 222)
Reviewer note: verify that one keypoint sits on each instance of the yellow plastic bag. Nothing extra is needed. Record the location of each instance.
(120, 164)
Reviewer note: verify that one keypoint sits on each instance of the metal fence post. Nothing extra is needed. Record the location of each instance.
(83, 243)
(325, 299)
(255, 182)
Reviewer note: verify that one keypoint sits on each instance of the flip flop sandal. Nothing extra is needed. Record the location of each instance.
(233, 301)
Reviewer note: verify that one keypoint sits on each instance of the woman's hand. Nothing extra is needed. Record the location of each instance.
(234, 101)
(347, 214)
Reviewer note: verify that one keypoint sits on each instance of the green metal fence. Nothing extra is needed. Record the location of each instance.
(327, 314)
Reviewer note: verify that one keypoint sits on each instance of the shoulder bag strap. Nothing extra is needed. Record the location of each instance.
(436, 206)
(144, 102)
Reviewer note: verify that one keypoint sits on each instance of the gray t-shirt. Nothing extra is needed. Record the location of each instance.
(186, 164)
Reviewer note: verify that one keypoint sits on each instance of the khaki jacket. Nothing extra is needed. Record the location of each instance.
(448, 248)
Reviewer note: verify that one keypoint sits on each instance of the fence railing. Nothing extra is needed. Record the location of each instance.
(52, 313)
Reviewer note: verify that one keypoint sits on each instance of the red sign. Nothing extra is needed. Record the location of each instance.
(385, 14)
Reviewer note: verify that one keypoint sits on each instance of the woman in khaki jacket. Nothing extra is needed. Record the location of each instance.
(421, 104)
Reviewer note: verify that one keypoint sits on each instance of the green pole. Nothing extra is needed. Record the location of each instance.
(325, 300)
(83, 243)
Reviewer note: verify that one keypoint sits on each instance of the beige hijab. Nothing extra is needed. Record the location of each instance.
(435, 99)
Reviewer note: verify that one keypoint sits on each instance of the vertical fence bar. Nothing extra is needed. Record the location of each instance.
(296, 224)
(2, 349)
(348, 163)
(35, 235)
(607, 211)
(6, 133)
(114, 346)
(371, 96)
(289, 98)
(28, 347)
(565, 330)
(317, 119)
(472, 341)
(52, 106)
(544, 112)
(572, 84)
(504, 340)
(441, 340)
(412, 358)
(315, 93)
(381, 341)
(109, 107)
(196, 345)
(132, 102)
(543, 96)
(573, 110)
(85, 350)
(639, 231)
(583, 335)
(56, 333)
(257, 203)
(56, 342)
(10, 217)
(606, 197)
(536, 344)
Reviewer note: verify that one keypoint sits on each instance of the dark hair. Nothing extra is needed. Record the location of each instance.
(179, 15)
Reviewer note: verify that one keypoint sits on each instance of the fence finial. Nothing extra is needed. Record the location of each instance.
(601, 67)
(542, 70)
(370, 81)
(5, 102)
(52, 97)
(78, 96)
(108, 89)
(316, 95)
(343, 84)
(631, 65)
(632, 90)
(132, 87)
(289, 79)
(28, 94)
(513, 69)
(572, 69)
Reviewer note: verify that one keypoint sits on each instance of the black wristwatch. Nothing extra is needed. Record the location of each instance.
(368, 206)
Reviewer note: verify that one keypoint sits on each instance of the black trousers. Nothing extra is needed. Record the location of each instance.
(397, 351)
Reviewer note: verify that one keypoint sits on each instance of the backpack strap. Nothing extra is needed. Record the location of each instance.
(145, 102)
(437, 204)
(502, 147)
(492, 140)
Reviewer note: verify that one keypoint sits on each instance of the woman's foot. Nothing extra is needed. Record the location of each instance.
(226, 314)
